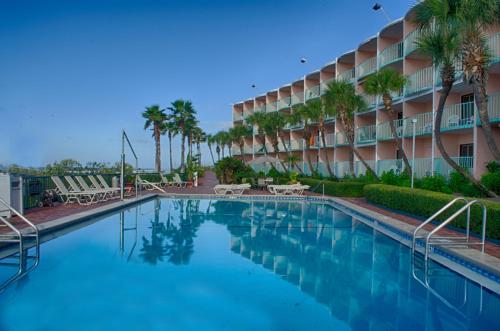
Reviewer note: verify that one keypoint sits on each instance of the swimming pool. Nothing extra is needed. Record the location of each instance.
(189, 264)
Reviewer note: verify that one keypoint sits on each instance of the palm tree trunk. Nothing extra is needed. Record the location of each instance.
(481, 99)
(158, 151)
(323, 140)
(399, 140)
(211, 153)
(289, 153)
(448, 78)
(229, 150)
(306, 136)
(241, 145)
(183, 146)
(349, 133)
(170, 150)
(276, 151)
(218, 152)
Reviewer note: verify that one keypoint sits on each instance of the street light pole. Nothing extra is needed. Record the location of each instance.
(413, 122)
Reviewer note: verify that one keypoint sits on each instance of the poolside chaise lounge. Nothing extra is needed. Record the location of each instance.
(104, 185)
(147, 185)
(98, 195)
(177, 181)
(67, 196)
(106, 193)
(165, 182)
(294, 189)
(231, 189)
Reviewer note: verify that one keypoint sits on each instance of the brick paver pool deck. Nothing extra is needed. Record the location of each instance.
(45, 214)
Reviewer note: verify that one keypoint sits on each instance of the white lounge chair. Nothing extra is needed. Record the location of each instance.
(106, 194)
(165, 182)
(68, 196)
(103, 184)
(149, 186)
(294, 189)
(231, 189)
(97, 196)
(178, 181)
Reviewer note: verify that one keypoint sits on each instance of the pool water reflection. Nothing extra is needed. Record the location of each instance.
(213, 265)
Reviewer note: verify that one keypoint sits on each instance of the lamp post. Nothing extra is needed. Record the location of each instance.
(377, 7)
(414, 124)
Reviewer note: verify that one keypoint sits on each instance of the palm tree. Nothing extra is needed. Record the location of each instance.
(272, 126)
(318, 114)
(170, 129)
(475, 17)
(303, 114)
(281, 121)
(199, 137)
(238, 134)
(154, 119)
(258, 120)
(440, 38)
(384, 83)
(210, 140)
(341, 99)
(217, 141)
(184, 118)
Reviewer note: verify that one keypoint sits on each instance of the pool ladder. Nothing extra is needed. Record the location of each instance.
(452, 241)
(19, 239)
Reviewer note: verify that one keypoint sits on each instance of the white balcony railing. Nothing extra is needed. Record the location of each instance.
(297, 98)
(348, 75)
(391, 54)
(284, 103)
(458, 116)
(366, 135)
(237, 117)
(324, 85)
(271, 106)
(341, 139)
(371, 101)
(312, 92)
(410, 43)
(343, 169)
(384, 130)
(494, 107)
(297, 145)
(419, 82)
(443, 168)
(366, 67)
(423, 125)
(260, 108)
(494, 47)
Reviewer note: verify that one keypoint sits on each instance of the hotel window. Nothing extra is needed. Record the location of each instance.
(467, 150)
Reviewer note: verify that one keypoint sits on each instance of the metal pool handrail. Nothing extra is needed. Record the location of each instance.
(430, 219)
(122, 168)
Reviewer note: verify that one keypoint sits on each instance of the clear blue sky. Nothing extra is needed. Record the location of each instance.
(74, 73)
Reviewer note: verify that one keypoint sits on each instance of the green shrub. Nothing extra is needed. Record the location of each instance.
(492, 181)
(493, 166)
(425, 203)
(436, 183)
(391, 178)
(460, 184)
(338, 189)
(230, 170)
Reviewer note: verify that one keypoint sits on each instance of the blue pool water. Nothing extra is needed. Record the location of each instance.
(236, 265)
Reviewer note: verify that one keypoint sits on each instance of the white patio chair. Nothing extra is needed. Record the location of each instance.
(97, 196)
(68, 196)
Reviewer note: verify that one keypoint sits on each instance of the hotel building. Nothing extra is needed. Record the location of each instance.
(394, 46)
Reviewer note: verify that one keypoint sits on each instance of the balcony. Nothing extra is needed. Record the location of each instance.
(297, 98)
(296, 126)
(458, 116)
(395, 165)
(235, 151)
(312, 92)
(271, 107)
(419, 82)
(248, 150)
(458, 72)
(324, 85)
(410, 41)
(297, 145)
(330, 139)
(384, 130)
(494, 47)
(284, 103)
(493, 108)
(443, 168)
(260, 108)
(348, 75)
(371, 102)
(237, 117)
(360, 169)
(342, 169)
(366, 67)
(269, 148)
(258, 149)
(341, 139)
(423, 126)
(366, 135)
(391, 54)
(282, 148)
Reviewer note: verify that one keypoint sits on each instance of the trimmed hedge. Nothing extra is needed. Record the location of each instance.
(425, 203)
(338, 189)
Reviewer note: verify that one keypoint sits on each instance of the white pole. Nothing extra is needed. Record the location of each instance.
(414, 122)
(122, 168)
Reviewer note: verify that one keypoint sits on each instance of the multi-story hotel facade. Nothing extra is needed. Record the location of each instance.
(394, 46)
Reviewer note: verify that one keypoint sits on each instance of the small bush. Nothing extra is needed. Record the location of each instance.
(460, 184)
(230, 170)
(425, 203)
(492, 181)
(338, 189)
(391, 178)
(436, 183)
(493, 166)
